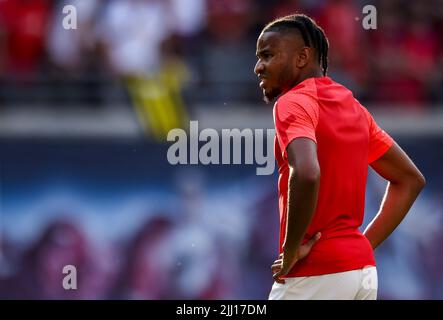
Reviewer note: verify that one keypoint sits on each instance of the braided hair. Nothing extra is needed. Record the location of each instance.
(312, 34)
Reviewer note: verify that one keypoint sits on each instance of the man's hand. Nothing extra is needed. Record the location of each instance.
(284, 264)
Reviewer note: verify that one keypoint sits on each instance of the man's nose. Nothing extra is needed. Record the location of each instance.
(259, 67)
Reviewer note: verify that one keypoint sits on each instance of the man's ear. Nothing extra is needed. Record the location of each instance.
(303, 57)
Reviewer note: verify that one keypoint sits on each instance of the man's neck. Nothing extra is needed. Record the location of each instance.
(311, 73)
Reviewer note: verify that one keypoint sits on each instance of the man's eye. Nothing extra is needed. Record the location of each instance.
(264, 56)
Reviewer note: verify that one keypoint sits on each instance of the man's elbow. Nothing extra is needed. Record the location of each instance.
(420, 181)
(416, 182)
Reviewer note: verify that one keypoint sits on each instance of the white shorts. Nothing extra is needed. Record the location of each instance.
(361, 284)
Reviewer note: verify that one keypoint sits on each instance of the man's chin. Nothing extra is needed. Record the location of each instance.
(268, 98)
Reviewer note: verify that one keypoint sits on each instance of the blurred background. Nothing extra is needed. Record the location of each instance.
(84, 115)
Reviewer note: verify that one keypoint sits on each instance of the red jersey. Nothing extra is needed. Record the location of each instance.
(348, 140)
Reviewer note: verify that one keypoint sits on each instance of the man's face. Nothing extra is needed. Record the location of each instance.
(275, 65)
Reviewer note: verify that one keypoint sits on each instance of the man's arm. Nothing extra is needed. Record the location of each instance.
(405, 183)
(304, 181)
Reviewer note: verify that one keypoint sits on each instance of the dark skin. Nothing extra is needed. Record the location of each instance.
(283, 62)
(304, 176)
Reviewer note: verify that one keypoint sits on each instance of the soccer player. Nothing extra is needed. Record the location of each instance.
(325, 140)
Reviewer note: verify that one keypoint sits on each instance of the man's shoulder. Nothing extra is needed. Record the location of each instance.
(305, 91)
(303, 97)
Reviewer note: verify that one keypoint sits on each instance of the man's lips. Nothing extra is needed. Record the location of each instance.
(262, 82)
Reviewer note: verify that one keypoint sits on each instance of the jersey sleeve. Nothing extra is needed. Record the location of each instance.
(295, 116)
(379, 141)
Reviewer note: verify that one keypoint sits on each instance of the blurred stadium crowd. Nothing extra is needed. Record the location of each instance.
(135, 226)
(208, 48)
(132, 230)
